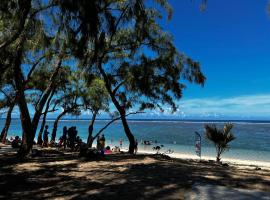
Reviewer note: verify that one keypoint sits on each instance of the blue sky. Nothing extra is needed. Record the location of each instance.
(231, 40)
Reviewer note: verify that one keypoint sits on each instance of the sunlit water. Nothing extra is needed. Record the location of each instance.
(252, 139)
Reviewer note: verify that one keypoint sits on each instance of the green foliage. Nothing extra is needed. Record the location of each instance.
(220, 137)
(121, 52)
(95, 96)
(68, 92)
(135, 77)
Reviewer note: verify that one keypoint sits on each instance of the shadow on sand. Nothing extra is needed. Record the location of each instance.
(65, 176)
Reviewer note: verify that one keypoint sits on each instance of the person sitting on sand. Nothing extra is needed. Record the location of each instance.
(45, 136)
(60, 141)
(16, 142)
(107, 150)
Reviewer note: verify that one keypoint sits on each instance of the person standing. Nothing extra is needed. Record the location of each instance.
(121, 142)
(136, 147)
(72, 137)
(98, 142)
(45, 136)
(102, 142)
(64, 137)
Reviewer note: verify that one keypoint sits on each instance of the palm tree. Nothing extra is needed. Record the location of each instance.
(220, 137)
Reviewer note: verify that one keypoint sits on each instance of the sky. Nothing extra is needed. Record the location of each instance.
(231, 40)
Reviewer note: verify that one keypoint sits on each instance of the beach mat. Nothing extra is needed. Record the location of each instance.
(214, 192)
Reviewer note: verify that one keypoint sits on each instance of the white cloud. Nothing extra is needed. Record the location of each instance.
(252, 106)
(241, 106)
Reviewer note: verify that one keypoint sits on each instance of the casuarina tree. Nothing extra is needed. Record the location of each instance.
(138, 61)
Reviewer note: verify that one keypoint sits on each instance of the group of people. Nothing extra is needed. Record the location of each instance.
(101, 145)
(70, 138)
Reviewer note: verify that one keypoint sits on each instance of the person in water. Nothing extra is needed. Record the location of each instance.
(121, 142)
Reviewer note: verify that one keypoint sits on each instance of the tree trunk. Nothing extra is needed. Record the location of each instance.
(46, 95)
(90, 138)
(30, 126)
(120, 109)
(128, 133)
(28, 132)
(7, 124)
(218, 154)
(39, 139)
(55, 125)
(44, 118)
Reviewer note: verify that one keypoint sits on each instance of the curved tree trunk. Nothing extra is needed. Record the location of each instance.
(128, 133)
(39, 139)
(39, 142)
(120, 109)
(46, 95)
(29, 126)
(28, 132)
(55, 125)
(90, 138)
(7, 124)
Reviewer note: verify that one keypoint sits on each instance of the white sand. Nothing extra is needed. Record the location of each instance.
(247, 163)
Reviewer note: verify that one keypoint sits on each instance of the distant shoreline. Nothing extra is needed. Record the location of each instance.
(169, 120)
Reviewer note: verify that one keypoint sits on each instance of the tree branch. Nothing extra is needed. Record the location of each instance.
(50, 111)
(6, 95)
(118, 86)
(113, 120)
(42, 9)
(33, 68)
(25, 6)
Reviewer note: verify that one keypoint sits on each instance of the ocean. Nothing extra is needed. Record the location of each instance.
(252, 137)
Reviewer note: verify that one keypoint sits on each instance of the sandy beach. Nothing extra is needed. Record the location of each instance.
(63, 175)
(230, 161)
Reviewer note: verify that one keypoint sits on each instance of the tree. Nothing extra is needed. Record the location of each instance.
(220, 137)
(120, 42)
(25, 33)
(39, 140)
(67, 98)
(138, 62)
(94, 98)
(8, 101)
